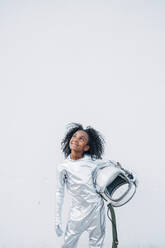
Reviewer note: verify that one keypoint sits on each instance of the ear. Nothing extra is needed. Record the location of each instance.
(86, 148)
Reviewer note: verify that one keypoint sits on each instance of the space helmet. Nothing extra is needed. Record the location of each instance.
(115, 184)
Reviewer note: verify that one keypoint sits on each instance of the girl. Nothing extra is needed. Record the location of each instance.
(83, 149)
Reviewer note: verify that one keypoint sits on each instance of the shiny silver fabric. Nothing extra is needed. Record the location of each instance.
(87, 212)
(116, 184)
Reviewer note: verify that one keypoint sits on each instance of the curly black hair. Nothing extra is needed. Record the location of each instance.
(96, 141)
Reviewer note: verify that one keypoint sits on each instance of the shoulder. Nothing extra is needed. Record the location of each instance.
(62, 166)
(96, 162)
(100, 163)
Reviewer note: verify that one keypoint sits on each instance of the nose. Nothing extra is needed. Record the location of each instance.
(75, 139)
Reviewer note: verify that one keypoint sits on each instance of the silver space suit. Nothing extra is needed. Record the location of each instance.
(87, 212)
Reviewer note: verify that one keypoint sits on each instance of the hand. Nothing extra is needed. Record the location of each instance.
(59, 231)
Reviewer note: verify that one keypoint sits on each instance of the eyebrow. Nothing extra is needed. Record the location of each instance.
(82, 136)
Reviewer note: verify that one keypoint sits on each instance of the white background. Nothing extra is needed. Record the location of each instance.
(100, 63)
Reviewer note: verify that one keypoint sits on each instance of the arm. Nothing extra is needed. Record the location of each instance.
(61, 179)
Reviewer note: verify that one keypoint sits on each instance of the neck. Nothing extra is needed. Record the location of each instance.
(75, 155)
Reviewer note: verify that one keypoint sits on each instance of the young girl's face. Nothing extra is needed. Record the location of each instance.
(79, 141)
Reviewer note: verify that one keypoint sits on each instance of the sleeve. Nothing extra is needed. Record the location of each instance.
(61, 180)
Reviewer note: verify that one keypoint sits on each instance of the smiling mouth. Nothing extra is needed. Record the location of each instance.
(74, 144)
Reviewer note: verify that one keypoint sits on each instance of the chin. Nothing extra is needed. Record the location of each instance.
(74, 149)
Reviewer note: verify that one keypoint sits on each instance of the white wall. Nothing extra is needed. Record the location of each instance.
(100, 63)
